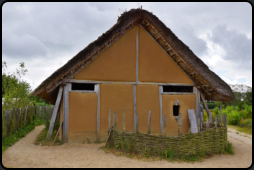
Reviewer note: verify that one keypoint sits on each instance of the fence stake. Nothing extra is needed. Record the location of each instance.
(225, 120)
(115, 123)
(221, 114)
(149, 122)
(164, 124)
(198, 125)
(207, 124)
(123, 120)
(180, 124)
(109, 120)
(137, 122)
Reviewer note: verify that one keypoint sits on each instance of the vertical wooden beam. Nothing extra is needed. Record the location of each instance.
(206, 108)
(135, 106)
(164, 124)
(123, 120)
(149, 122)
(225, 120)
(180, 124)
(198, 115)
(97, 90)
(221, 114)
(53, 118)
(114, 121)
(160, 99)
(66, 90)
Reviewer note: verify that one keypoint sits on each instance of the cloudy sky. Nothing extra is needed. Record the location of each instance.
(46, 35)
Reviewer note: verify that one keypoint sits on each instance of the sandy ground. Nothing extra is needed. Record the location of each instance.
(24, 154)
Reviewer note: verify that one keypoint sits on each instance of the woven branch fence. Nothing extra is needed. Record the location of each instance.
(15, 119)
(209, 140)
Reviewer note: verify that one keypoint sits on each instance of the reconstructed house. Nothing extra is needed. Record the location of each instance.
(137, 65)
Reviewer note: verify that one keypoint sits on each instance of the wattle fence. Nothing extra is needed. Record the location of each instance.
(15, 119)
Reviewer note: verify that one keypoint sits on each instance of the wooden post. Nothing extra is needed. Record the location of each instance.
(109, 120)
(115, 123)
(57, 104)
(25, 115)
(225, 120)
(149, 122)
(123, 120)
(189, 131)
(180, 124)
(164, 124)
(221, 114)
(206, 108)
(66, 90)
(198, 125)
(137, 122)
(207, 124)
(216, 120)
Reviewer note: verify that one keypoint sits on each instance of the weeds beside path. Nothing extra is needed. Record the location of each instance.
(25, 154)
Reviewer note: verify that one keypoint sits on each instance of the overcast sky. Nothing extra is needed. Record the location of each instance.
(46, 35)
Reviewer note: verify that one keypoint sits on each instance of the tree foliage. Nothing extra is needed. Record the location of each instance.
(15, 90)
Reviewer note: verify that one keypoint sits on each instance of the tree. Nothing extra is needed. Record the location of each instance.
(15, 90)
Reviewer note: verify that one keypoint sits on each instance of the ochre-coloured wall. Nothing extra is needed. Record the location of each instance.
(117, 97)
(155, 65)
(82, 117)
(148, 99)
(116, 63)
(186, 102)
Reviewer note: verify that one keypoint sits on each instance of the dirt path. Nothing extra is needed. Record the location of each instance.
(25, 154)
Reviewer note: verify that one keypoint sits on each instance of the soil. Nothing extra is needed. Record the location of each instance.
(25, 154)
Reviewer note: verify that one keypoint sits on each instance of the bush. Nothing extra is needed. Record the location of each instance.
(234, 118)
(216, 110)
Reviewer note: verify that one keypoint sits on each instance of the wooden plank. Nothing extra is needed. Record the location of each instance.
(206, 108)
(177, 93)
(123, 120)
(164, 124)
(160, 99)
(66, 90)
(53, 118)
(118, 82)
(192, 118)
(149, 122)
(109, 135)
(225, 120)
(115, 123)
(58, 132)
(180, 124)
(97, 90)
(197, 105)
(135, 107)
(221, 114)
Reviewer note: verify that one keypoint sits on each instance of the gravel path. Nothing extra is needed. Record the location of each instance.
(24, 154)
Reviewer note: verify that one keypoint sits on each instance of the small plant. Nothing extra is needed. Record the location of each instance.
(118, 145)
(229, 148)
(88, 140)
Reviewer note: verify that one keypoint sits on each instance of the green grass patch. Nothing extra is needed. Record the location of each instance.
(41, 138)
(247, 130)
(18, 134)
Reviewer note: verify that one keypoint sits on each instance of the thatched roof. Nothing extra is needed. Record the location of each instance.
(204, 79)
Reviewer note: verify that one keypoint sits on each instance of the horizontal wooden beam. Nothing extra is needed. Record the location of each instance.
(177, 93)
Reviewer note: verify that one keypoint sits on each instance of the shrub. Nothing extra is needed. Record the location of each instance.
(216, 110)
(234, 118)
(211, 105)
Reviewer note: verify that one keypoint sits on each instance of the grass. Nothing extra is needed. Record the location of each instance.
(247, 130)
(18, 134)
(167, 155)
(41, 138)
